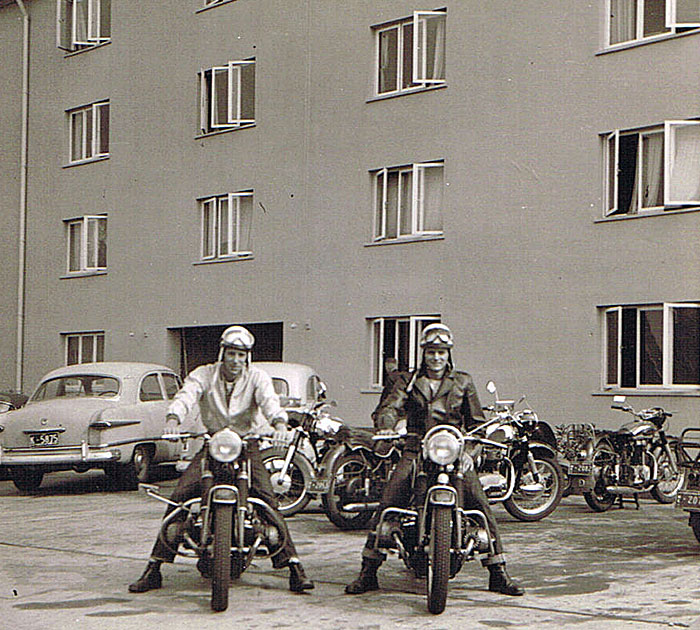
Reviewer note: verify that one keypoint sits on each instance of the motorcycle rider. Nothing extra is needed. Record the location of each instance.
(435, 394)
(230, 393)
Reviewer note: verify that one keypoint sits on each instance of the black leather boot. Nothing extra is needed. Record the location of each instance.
(501, 582)
(150, 579)
(367, 580)
(298, 582)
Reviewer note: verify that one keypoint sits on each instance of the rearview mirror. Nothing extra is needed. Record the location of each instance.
(491, 387)
(619, 399)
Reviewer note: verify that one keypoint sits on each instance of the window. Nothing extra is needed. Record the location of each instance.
(83, 23)
(226, 224)
(632, 20)
(150, 389)
(397, 337)
(653, 169)
(410, 53)
(89, 132)
(227, 96)
(172, 385)
(408, 201)
(84, 347)
(87, 244)
(652, 346)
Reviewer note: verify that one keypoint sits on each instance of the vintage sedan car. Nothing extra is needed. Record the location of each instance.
(91, 415)
(296, 384)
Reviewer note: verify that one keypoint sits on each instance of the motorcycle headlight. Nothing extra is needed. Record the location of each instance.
(443, 448)
(326, 424)
(226, 445)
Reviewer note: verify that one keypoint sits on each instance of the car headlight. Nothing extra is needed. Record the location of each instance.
(226, 445)
(443, 448)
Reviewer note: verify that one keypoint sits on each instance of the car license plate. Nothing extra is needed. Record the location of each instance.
(687, 499)
(581, 469)
(44, 439)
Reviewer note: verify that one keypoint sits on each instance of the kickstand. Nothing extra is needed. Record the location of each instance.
(636, 500)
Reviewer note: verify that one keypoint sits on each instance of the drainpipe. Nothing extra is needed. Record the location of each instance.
(22, 197)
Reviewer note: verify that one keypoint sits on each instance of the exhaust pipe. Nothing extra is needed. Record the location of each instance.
(360, 507)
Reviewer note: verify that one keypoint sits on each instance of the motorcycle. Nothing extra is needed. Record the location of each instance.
(688, 497)
(298, 470)
(225, 527)
(575, 444)
(435, 535)
(526, 476)
(358, 468)
(634, 459)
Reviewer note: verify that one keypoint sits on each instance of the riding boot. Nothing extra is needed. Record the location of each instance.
(150, 579)
(501, 582)
(298, 582)
(367, 580)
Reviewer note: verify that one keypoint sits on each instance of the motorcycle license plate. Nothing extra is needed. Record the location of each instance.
(320, 485)
(687, 499)
(581, 469)
(44, 439)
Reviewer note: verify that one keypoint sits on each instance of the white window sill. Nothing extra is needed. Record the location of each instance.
(643, 215)
(218, 132)
(72, 53)
(644, 42)
(407, 239)
(99, 158)
(649, 392)
(419, 90)
(228, 259)
(213, 6)
(83, 274)
(371, 390)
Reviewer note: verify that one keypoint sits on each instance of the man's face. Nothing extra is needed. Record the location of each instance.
(436, 359)
(234, 361)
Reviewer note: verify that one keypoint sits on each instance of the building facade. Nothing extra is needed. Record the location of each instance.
(338, 174)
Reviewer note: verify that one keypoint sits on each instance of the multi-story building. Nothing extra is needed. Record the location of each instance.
(336, 174)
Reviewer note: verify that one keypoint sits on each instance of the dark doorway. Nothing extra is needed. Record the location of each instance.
(200, 344)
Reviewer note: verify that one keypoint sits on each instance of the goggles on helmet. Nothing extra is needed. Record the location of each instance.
(237, 337)
(437, 335)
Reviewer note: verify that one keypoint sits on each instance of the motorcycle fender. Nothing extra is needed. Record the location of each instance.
(442, 495)
(224, 494)
(537, 448)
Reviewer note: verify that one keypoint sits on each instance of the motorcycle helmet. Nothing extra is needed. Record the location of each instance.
(236, 337)
(437, 336)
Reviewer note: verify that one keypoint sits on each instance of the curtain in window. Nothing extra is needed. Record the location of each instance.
(388, 42)
(685, 164)
(623, 20)
(652, 170)
(81, 20)
(436, 56)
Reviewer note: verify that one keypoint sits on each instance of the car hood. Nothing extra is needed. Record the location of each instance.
(70, 417)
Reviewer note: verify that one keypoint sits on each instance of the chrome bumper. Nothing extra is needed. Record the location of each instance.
(37, 456)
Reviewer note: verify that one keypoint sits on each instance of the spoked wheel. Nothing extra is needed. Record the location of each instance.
(291, 489)
(347, 480)
(666, 489)
(599, 499)
(694, 522)
(537, 496)
(439, 559)
(221, 571)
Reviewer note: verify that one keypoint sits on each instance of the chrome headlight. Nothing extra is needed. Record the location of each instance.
(326, 424)
(226, 445)
(443, 448)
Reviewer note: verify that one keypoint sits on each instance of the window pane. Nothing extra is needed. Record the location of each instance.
(171, 385)
(207, 229)
(103, 121)
(377, 351)
(404, 358)
(81, 20)
(388, 60)
(392, 200)
(611, 318)
(72, 350)
(245, 219)
(379, 204)
(406, 201)
(435, 47)
(651, 340)
(105, 18)
(628, 350)
(89, 131)
(623, 20)
(91, 243)
(99, 348)
(224, 237)
(407, 78)
(627, 174)
(247, 92)
(389, 348)
(653, 170)
(654, 17)
(432, 198)
(74, 238)
(102, 243)
(612, 173)
(77, 135)
(86, 353)
(686, 346)
(221, 96)
(150, 389)
(685, 163)
(687, 11)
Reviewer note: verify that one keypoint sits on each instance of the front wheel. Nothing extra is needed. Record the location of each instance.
(221, 572)
(291, 489)
(599, 499)
(694, 522)
(347, 483)
(439, 558)
(537, 496)
(669, 482)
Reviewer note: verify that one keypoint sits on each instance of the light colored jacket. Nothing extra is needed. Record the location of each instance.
(252, 402)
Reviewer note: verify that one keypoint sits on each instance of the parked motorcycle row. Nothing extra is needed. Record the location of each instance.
(522, 462)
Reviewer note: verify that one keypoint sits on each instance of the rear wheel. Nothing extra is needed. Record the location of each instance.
(292, 488)
(221, 571)
(532, 500)
(347, 483)
(599, 499)
(138, 470)
(439, 558)
(666, 489)
(27, 479)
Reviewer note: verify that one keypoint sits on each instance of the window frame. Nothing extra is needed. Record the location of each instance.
(667, 351)
(90, 134)
(68, 20)
(208, 98)
(377, 327)
(85, 222)
(98, 346)
(233, 226)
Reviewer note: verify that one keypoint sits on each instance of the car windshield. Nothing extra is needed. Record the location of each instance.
(82, 386)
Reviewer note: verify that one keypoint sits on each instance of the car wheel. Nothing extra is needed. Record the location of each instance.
(138, 470)
(27, 479)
